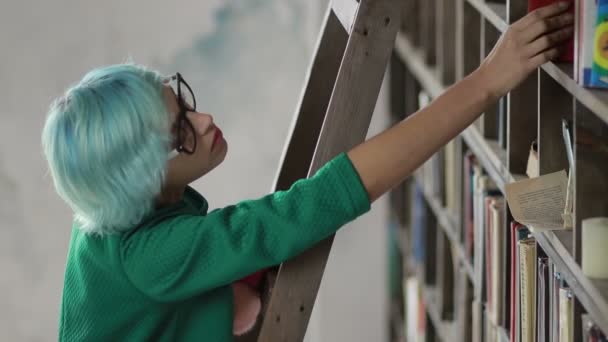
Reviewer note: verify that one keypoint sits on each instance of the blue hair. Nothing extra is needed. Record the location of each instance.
(106, 142)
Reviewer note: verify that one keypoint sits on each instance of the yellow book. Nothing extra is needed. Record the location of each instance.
(565, 315)
(527, 269)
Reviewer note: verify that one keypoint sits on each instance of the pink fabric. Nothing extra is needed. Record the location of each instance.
(247, 307)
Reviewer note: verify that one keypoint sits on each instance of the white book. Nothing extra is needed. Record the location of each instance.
(586, 18)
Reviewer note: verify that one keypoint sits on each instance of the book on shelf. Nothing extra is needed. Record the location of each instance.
(466, 301)
(567, 55)
(555, 281)
(489, 329)
(494, 228)
(584, 28)
(542, 300)
(590, 61)
(470, 162)
(478, 321)
(419, 225)
(484, 187)
(497, 223)
(599, 71)
(591, 333)
(415, 312)
(502, 122)
(518, 233)
(527, 282)
(565, 314)
(451, 190)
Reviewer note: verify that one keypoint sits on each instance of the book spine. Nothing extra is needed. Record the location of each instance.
(599, 72)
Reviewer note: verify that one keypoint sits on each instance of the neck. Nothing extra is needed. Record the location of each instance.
(169, 196)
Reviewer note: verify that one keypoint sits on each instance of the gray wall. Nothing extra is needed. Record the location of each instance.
(246, 61)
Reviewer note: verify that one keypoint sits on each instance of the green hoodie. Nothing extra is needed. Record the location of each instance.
(168, 278)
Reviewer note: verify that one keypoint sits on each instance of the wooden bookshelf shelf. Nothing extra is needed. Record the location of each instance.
(559, 246)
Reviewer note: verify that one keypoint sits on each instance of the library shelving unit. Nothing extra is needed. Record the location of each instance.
(440, 42)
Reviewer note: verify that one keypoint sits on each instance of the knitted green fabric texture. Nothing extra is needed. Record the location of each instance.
(168, 278)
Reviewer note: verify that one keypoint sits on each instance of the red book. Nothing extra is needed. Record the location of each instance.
(489, 232)
(568, 54)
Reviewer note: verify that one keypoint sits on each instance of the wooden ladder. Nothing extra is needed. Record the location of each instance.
(335, 111)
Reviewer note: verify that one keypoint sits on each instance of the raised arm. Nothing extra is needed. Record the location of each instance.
(388, 158)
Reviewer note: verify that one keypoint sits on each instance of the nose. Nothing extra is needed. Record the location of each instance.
(202, 122)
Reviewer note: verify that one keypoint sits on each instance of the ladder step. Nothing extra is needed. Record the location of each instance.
(345, 10)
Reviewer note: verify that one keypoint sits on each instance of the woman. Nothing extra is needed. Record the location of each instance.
(147, 261)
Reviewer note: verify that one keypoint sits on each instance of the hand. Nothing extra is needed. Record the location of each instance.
(527, 44)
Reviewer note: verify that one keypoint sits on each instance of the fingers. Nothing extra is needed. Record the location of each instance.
(548, 40)
(542, 13)
(540, 27)
(543, 58)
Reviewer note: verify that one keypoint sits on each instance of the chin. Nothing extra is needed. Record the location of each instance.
(220, 156)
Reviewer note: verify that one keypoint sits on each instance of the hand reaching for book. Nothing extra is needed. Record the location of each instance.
(528, 43)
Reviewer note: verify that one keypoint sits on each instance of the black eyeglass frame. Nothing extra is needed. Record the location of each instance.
(182, 119)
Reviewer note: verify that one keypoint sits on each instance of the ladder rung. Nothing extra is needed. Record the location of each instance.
(345, 10)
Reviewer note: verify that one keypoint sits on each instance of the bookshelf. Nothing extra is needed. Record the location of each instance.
(440, 42)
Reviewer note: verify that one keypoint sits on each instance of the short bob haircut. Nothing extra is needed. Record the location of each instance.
(106, 141)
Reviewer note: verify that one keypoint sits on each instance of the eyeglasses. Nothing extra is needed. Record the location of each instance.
(186, 102)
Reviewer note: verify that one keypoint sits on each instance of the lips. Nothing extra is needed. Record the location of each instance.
(218, 135)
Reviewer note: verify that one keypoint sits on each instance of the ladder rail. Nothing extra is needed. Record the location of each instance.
(345, 10)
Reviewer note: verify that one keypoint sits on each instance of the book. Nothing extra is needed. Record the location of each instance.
(502, 122)
(489, 265)
(585, 22)
(518, 233)
(451, 192)
(493, 262)
(552, 304)
(478, 320)
(565, 314)
(484, 187)
(542, 300)
(527, 260)
(419, 225)
(470, 161)
(412, 297)
(555, 304)
(599, 70)
(497, 235)
(465, 303)
(568, 53)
